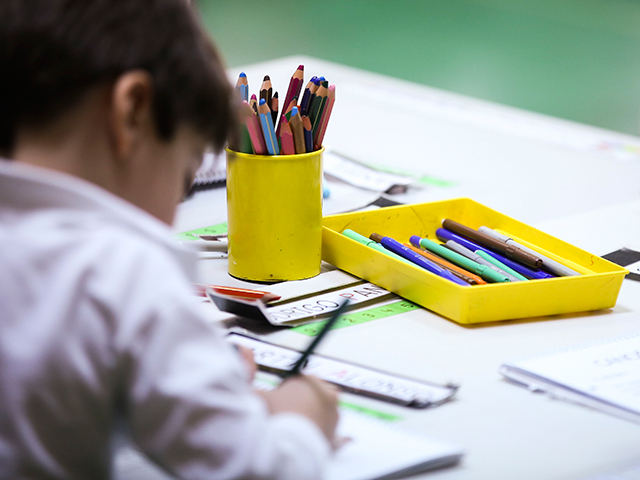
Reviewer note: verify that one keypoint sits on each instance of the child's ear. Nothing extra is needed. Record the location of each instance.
(131, 111)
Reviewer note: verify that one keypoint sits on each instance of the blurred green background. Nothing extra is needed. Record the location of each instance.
(578, 60)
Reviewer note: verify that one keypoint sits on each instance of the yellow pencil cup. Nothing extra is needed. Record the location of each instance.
(274, 216)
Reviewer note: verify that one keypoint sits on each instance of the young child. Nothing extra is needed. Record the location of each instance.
(106, 107)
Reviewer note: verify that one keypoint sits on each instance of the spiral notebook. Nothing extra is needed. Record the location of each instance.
(604, 375)
(211, 174)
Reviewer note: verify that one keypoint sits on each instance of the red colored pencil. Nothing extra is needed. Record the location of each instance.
(252, 122)
(286, 138)
(295, 86)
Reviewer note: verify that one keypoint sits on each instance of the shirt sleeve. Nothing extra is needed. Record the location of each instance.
(187, 400)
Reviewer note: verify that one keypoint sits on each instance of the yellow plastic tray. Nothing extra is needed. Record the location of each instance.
(596, 289)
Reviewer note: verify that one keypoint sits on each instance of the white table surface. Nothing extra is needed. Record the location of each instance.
(576, 182)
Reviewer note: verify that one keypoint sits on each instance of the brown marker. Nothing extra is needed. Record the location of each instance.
(499, 246)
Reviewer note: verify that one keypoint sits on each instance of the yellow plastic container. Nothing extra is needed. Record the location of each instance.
(598, 288)
(274, 207)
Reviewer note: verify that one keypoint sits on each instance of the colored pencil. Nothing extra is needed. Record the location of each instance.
(313, 90)
(254, 103)
(266, 91)
(315, 110)
(308, 134)
(267, 128)
(242, 86)
(295, 86)
(252, 123)
(274, 108)
(293, 103)
(306, 97)
(286, 138)
(326, 114)
(298, 131)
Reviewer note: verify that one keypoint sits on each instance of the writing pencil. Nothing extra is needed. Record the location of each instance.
(299, 365)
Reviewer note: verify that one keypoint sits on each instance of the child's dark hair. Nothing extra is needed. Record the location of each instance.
(53, 51)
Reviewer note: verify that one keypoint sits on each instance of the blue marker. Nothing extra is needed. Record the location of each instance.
(445, 235)
(404, 252)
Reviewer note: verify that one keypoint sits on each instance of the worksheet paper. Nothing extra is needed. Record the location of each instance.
(377, 450)
(603, 375)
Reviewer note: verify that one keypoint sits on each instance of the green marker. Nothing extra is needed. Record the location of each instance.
(375, 245)
(485, 272)
(500, 265)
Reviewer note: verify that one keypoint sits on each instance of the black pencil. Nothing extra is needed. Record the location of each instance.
(295, 370)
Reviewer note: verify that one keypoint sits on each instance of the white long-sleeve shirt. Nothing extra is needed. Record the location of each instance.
(99, 327)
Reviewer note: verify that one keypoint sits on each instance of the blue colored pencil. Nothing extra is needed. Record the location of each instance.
(268, 129)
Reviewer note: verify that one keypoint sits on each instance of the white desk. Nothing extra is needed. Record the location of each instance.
(534, 168)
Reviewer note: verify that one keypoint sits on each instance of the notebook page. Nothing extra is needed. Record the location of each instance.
(609, 370)
(382, 450)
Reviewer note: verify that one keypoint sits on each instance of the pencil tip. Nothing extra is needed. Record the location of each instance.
(262, 101)
(242, 74)
(294, 111)
(275, 95)
(253, 97)
(322, 79)
(300, 67)
(266, 77)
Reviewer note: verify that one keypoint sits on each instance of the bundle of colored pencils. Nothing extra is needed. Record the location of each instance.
(298, 128)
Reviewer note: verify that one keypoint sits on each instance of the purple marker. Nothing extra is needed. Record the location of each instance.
(399, 249)
(444, 235)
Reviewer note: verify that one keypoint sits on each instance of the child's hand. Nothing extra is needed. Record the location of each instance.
(247, 358)
(308, 396)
